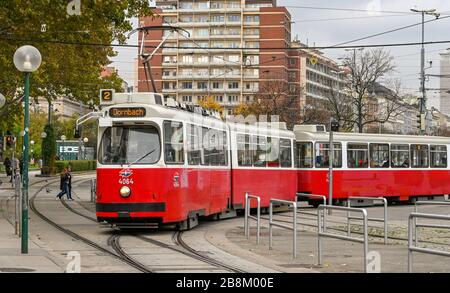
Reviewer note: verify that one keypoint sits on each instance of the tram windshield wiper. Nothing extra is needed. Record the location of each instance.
(143, 157)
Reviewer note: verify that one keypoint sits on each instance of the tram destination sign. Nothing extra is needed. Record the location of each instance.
(127, 112)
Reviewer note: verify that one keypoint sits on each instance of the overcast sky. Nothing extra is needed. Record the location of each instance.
(323, 27)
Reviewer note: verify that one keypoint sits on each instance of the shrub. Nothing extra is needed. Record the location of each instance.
(77, 166)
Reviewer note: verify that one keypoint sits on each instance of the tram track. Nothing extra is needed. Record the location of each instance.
(80, 237)
(177, 239)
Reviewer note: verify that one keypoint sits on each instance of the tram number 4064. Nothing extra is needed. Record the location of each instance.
(126, 181)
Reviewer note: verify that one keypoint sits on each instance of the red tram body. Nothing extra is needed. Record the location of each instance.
(398, 167)
(161, 163)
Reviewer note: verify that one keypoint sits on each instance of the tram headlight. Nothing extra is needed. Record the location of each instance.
(125, 191)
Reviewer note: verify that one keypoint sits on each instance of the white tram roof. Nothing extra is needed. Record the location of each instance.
(301, 135)
(172, 110)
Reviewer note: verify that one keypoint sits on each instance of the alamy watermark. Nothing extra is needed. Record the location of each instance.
(74, 265)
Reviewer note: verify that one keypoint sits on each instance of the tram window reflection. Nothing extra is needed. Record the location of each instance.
(438, 156)
(194, 144)
(130, 144)
(419, 156)
(304, 155)
(245, 150)
(399, 156)
(357, 155)
(273, 152)
(173, 142)
(379, 155)
(285, 153)
(322, 155)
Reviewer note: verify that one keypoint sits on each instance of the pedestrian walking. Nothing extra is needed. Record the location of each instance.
(69, 175)
(65, 179)
(8, 169)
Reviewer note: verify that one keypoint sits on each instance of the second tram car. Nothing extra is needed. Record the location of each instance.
(398, 167)
(166, 163)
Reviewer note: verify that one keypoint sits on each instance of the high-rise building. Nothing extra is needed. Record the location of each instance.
(444, 99)
(233, 47)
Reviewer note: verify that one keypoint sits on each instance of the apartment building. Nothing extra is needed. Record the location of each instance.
(227, 50)
(320, 76)
(444, 99)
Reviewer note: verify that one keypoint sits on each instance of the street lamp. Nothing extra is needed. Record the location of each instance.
(2, 101)
(27, 59)
(85, 140)
(422, 104)
(63, 138)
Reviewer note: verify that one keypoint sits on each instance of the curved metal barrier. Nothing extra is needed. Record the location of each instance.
(430, 203)
(374, 199)
(412, 227)
(322, 227)
(248, 216)
(294, 223)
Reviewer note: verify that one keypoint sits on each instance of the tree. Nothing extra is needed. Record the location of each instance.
(274, 98)
(366, 72)
(209, 103)
(68, 68)
(49, 151)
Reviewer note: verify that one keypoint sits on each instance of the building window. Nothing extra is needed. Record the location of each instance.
(219, 99)
(218, 18)
(187, 99)
(187, 58)
(202, 85)
(234, 18)
(293, 61)
(217, 85)
(233, 85)
(187, 85)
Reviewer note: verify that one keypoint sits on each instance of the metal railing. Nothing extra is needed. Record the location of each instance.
(310, 195)
(413, 228)
(322, 226)
(431, 203)
(248, 215)
(294, 223)
(374, 199)
(93, 190)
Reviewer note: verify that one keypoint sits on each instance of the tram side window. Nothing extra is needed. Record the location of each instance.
(173, 142)
(438, 157)
(194, 144)
(419, 156)
(214, 147)
(399, 156)
(245, 150)
(223, 149)
(304, 155)
(273, 152)
(379, 155)
(260, 155)
(323, 152)
(285, 153)
(357, 155)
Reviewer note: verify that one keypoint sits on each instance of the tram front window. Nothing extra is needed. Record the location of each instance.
(130, 145)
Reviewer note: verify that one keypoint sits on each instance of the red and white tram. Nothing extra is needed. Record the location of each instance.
(398, 167)
(166, 163)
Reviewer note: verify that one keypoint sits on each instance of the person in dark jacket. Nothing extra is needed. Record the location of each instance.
(69, 174)
(66, 178)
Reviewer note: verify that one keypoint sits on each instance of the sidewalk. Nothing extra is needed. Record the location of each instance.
(11, 259)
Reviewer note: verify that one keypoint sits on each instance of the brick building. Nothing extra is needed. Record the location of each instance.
(234, 47)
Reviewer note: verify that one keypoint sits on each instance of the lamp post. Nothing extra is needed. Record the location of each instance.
(422, 100)
(85, 140)
(2, 101)
(63, 138)
(27, 59)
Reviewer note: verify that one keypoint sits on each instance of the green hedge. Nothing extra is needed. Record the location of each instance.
(76, 165)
